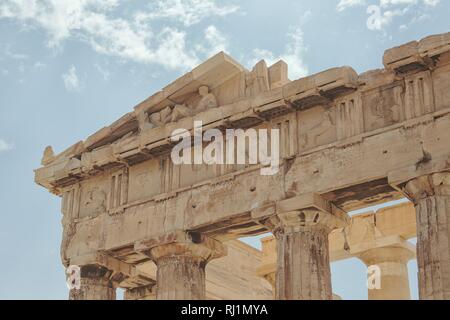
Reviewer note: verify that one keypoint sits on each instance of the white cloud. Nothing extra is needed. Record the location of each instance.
(173, 50)
(292, 55)
(105, 73)
(59, 18)
(71, 81)
(390, 3)
(7, 53)
(345, 4)
(5, 146)
(215, 41)
(139, 38)
(188, 12)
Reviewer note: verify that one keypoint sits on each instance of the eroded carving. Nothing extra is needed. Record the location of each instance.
(257, 80)
(179, 111)
(311, 136)
(70, 211)
(94, 202)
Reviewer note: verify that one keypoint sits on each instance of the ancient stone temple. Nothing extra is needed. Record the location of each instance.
(134, 219)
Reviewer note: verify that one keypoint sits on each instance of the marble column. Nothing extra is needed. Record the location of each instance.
(303, 263)
(393, 266)
(431, 197)
(181, 268)
(267, 269)
(95, 284)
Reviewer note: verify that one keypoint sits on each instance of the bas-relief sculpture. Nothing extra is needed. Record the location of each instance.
(179, 111)
(255, 81)
(347, 141)
(317, 128)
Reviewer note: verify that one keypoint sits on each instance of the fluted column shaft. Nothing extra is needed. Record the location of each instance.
(431, 196)
(181, 278)
(303, 266)
(303, 263)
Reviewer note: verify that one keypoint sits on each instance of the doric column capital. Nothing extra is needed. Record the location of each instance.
(188, 245)
(387, 254)
(202, 251)
(306, 212)
(391, 281)
(304, 220)
(435, 184)
(301, 225)
(181, 258)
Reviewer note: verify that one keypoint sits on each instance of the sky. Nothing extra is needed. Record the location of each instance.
(68, 68)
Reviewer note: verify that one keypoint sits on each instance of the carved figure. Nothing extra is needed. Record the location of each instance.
(396, 113)
(95, 202)
(161, 118)
(179, 111)
(257, 80)
(377, 111)
(208, 100)
(318, 130)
